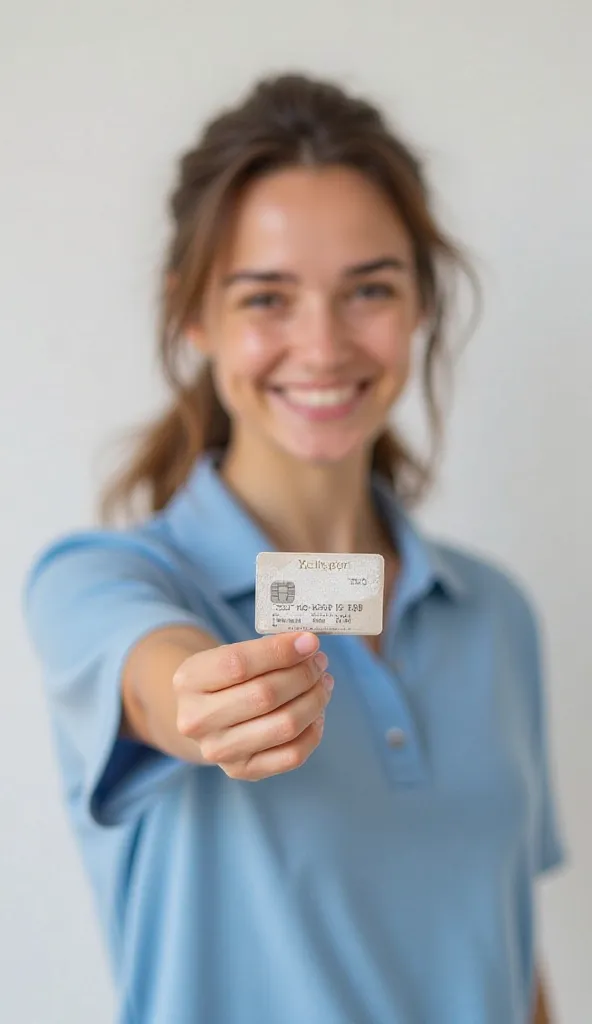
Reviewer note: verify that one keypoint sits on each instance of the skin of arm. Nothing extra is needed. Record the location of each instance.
(255, 709)
(149, 708)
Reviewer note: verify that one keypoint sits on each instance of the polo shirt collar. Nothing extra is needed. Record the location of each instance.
(213, 529)
(425, 565)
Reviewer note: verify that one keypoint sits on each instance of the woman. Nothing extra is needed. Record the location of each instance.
(389, 878)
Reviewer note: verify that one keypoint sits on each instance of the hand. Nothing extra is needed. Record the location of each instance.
(255, 708)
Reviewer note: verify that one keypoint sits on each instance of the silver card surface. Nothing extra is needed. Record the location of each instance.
(323, 593)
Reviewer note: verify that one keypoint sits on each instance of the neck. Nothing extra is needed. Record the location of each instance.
(307, 507)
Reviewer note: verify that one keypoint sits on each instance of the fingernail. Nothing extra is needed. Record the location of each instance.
(328, 682)
(320, 721)
(321, 661)
(306, 643)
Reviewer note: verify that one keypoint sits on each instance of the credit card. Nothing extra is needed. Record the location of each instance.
(323, 593)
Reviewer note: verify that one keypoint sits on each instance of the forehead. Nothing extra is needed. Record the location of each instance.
(314, 220)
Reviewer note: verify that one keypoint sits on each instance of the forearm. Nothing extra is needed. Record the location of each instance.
(149, 710)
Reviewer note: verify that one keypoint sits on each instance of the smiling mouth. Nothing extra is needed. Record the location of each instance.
(322, 402)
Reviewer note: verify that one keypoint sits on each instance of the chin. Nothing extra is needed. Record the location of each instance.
(320, 453)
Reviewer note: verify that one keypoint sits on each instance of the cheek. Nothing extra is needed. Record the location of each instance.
(241, 357)
(252, 350)
(388, 341)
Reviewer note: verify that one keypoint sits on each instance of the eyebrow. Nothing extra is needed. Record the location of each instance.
(283, 277)
(371, 266)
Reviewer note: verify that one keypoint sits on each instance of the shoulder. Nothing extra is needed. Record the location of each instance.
(97, 590)
(94, 560)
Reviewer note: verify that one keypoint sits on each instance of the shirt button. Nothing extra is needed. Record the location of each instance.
(395, 737)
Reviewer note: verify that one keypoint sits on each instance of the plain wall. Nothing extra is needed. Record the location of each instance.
(96, 102)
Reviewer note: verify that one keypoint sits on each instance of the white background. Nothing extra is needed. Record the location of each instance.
(97, 99)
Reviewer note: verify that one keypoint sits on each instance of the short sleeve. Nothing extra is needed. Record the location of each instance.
(549, 851)
(88, 600)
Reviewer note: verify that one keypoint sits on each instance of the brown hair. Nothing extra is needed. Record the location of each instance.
(285, 121)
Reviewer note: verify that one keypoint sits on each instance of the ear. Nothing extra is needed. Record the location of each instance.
(198, 338)
(193, 332)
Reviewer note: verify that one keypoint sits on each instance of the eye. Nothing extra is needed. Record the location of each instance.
(374, 290)
(263, 300)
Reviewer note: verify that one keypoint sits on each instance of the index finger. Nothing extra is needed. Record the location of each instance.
(231, 664)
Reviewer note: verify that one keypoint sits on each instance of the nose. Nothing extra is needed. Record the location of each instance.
(321, 338)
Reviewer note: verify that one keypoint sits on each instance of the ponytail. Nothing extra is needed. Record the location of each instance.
(168, 448)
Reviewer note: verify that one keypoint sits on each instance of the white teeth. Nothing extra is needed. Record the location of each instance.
(323, 397)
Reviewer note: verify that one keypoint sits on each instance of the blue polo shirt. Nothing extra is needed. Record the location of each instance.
(387, 881)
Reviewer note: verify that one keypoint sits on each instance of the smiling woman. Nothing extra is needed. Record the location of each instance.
(299, 218)
(381, 870)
